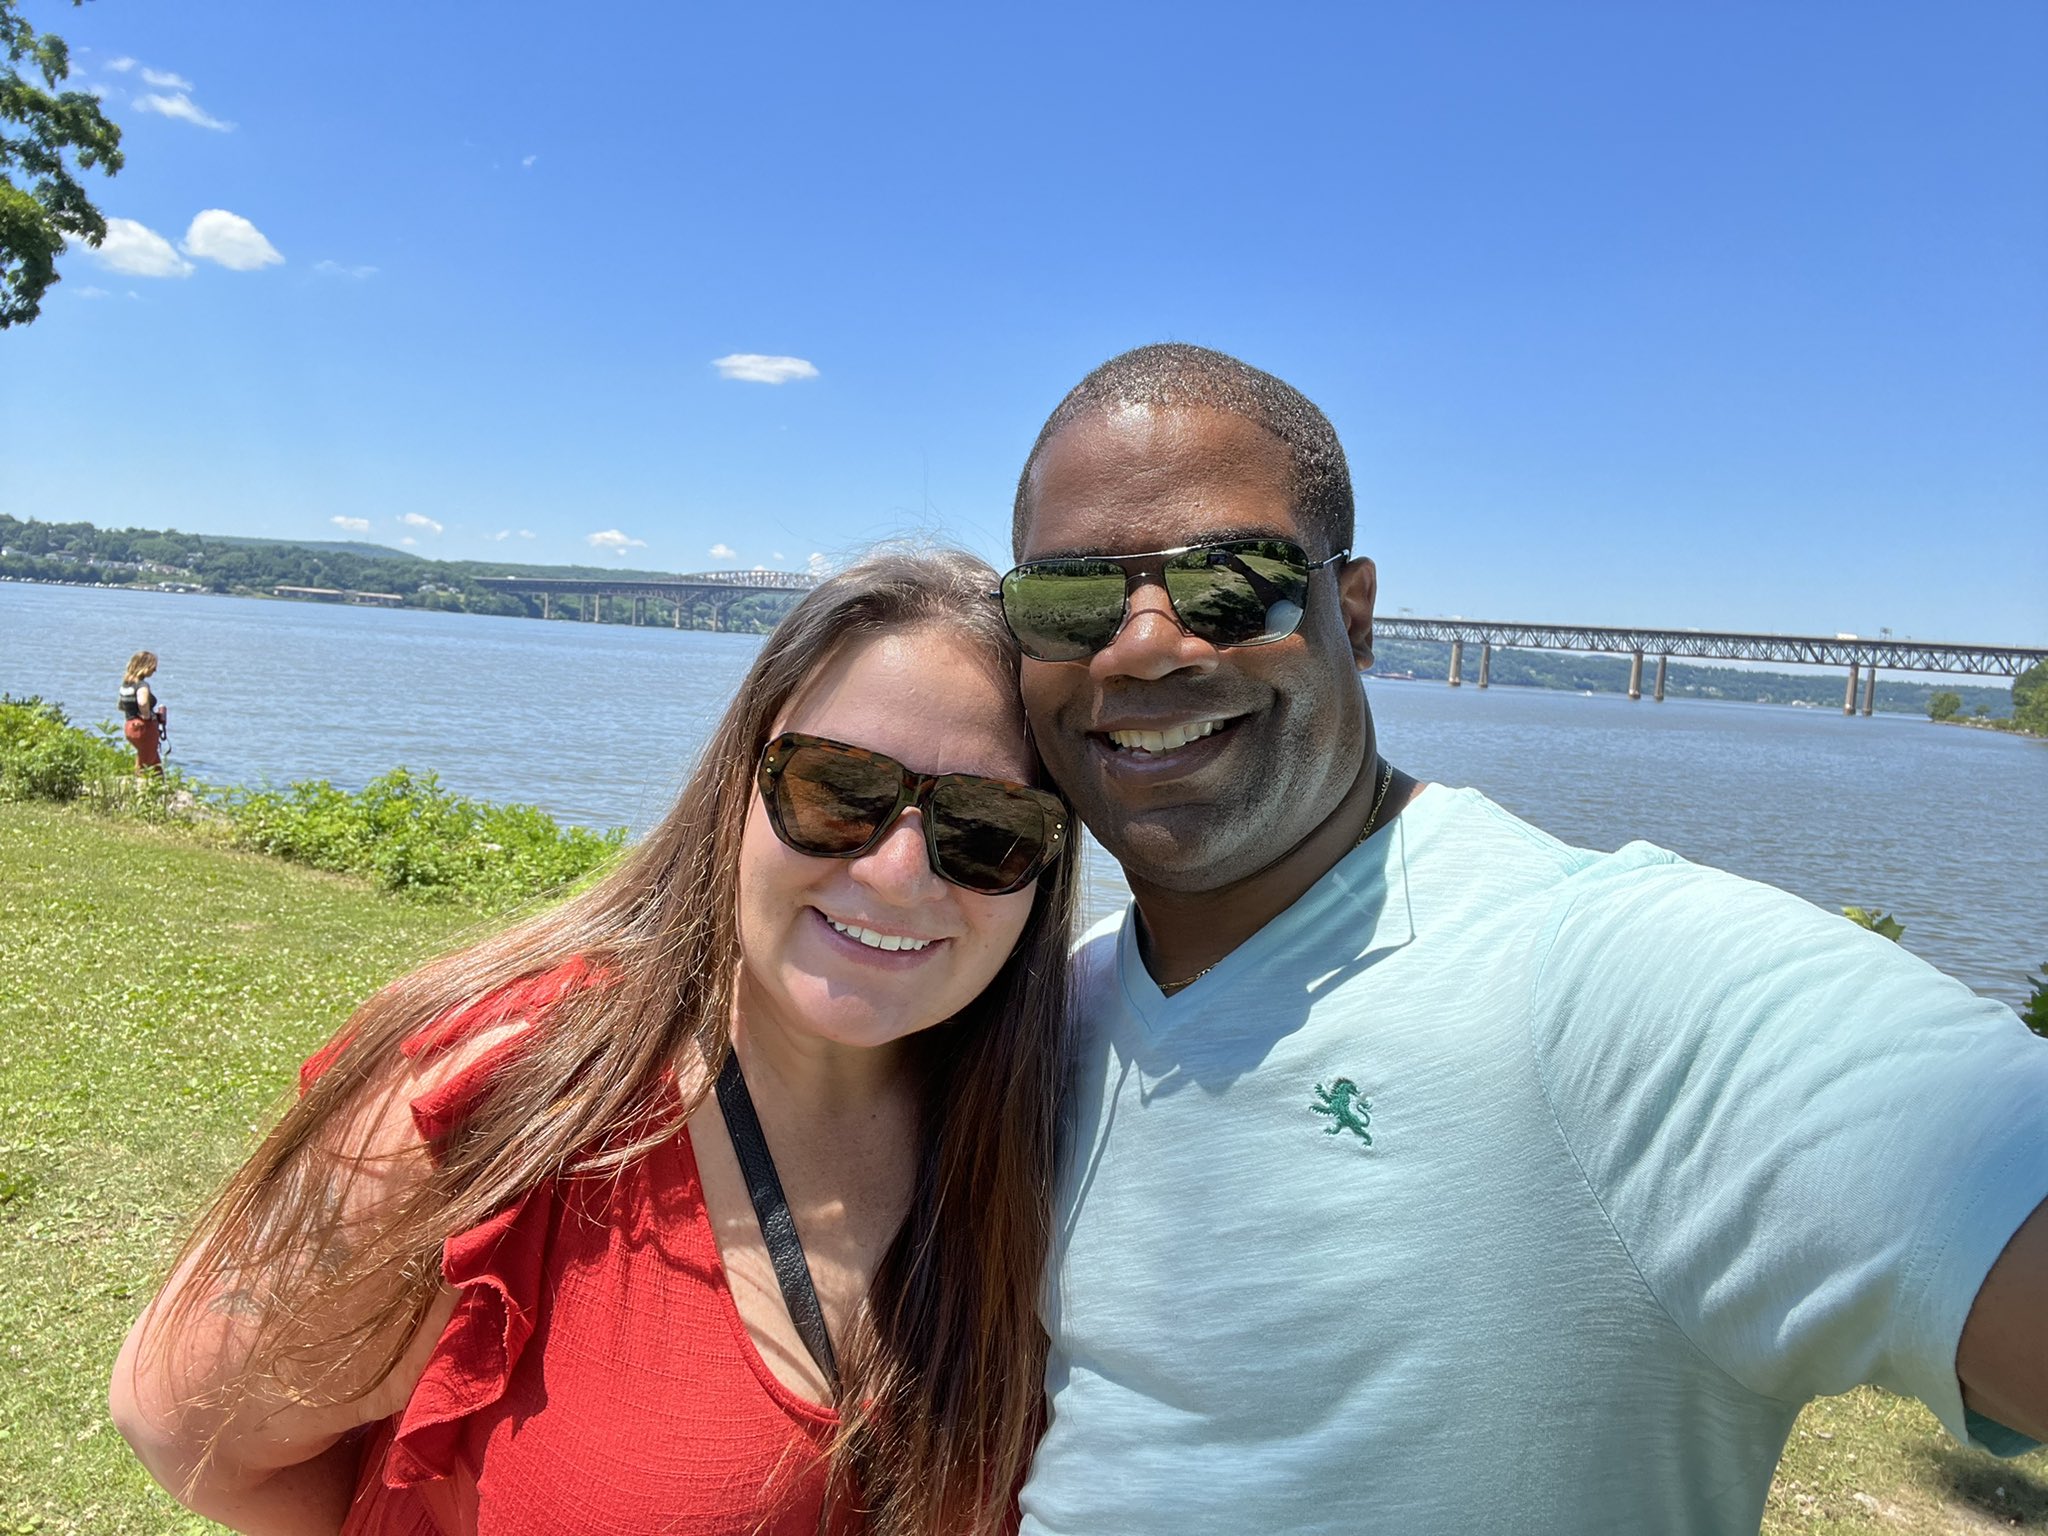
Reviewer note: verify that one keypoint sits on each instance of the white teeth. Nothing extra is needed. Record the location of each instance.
(874, 940)
(1166, 740)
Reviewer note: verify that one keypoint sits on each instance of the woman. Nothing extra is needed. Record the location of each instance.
(501, 1267)
(145, 722)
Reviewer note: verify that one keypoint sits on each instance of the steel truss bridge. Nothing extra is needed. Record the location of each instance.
(721, 588)
(1852, 651)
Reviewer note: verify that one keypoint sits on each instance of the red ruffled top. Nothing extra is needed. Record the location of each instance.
(595, 1376)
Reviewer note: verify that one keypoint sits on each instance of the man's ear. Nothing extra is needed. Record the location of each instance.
(1358, 588)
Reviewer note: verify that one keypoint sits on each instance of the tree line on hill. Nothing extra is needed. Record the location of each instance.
(83, 554)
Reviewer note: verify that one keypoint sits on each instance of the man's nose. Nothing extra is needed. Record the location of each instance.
(899, 866)
(1152, 643)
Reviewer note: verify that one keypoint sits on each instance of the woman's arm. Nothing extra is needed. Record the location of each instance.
(284, 1471)
(269, 1466)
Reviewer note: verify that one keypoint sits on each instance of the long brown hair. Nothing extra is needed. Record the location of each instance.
(940, 1400)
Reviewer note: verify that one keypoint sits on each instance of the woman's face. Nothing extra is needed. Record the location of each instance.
(809, 926)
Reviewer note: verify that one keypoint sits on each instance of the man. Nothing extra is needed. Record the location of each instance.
(1429, 1174)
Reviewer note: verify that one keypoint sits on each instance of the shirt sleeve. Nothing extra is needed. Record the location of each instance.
(1812, 1144)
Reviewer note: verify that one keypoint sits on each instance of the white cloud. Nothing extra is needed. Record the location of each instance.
(123, 64)
(420, 520)
(90, 292)
(501, 535)
(818, 565)
(352, 524)
(231, 240)
(778, 555)
(139, 251)
(527, 533)
(723, 552)
(409, 541)
(757, 368)
(184, 109)
(613, 540)
(167, 80)
(527, 163)
(337, 269)
(96, 90)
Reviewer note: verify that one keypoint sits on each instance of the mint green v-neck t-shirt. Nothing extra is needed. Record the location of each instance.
(1499, 1185)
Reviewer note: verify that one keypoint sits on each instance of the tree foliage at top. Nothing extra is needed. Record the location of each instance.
(41, 202)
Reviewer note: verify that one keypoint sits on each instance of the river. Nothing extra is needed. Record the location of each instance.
(1941, 826)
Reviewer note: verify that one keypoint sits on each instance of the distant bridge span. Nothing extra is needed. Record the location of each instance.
(1863, 657)
(723, 588)
(660, 586)
(1851, 651)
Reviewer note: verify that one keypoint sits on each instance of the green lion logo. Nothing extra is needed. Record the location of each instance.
(1348, 1111)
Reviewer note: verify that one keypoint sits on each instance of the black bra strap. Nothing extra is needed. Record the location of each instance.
(771, 1207)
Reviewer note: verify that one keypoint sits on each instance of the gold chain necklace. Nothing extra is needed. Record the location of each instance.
(1372, 823)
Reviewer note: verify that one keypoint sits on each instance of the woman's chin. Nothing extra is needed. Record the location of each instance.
(829, 1009)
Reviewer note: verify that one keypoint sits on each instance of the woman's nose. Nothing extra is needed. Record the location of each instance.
(899, 866)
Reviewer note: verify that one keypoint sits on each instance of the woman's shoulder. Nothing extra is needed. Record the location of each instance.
(446, 1066)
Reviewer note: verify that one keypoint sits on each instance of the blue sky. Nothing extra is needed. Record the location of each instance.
(1723, 315)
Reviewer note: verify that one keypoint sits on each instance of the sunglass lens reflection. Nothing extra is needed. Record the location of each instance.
(1063, 610)
(985, 837)
(832, 802)
(1238, 594)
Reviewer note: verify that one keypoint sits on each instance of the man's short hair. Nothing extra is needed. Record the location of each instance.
(1174, 376)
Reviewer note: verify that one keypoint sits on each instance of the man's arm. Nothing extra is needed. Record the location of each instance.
(2002, 1361)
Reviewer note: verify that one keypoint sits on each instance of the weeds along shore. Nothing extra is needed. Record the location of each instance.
(402, 831)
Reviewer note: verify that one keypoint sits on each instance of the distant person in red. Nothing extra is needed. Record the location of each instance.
(144, 720)
(711, 1201)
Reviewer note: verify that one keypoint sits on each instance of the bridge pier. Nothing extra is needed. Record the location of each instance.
(639, 608)
(1661, 661)
(1457, 677)
(1635, 675)
(1849, 698)
(1485, 663)
(546, 605)
(679, 613)
(1869, 689)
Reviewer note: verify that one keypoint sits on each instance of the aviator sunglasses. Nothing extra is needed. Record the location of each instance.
(1232, 592)
(835, 801)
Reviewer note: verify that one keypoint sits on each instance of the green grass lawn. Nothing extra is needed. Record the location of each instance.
(156, 997)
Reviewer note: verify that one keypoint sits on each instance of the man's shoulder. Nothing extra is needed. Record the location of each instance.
(1460, 838)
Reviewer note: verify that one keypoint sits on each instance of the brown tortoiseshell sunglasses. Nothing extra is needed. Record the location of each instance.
(835, 801)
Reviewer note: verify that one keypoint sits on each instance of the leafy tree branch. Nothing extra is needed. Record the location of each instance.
(43, 129)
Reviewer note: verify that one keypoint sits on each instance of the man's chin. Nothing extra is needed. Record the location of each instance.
(1183, 854)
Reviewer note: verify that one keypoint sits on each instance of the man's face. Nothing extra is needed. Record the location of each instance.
(1196, 766)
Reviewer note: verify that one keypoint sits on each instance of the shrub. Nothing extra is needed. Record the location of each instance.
(1877, 922)
(45, 757)
(407, 833)
(1944, 706)
(2035, 1014)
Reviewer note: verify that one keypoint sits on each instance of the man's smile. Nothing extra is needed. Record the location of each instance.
(1160, 751)
(1164, 739)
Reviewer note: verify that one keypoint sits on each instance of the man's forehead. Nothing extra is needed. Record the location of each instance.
(1138, 542)
(1140, 478)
